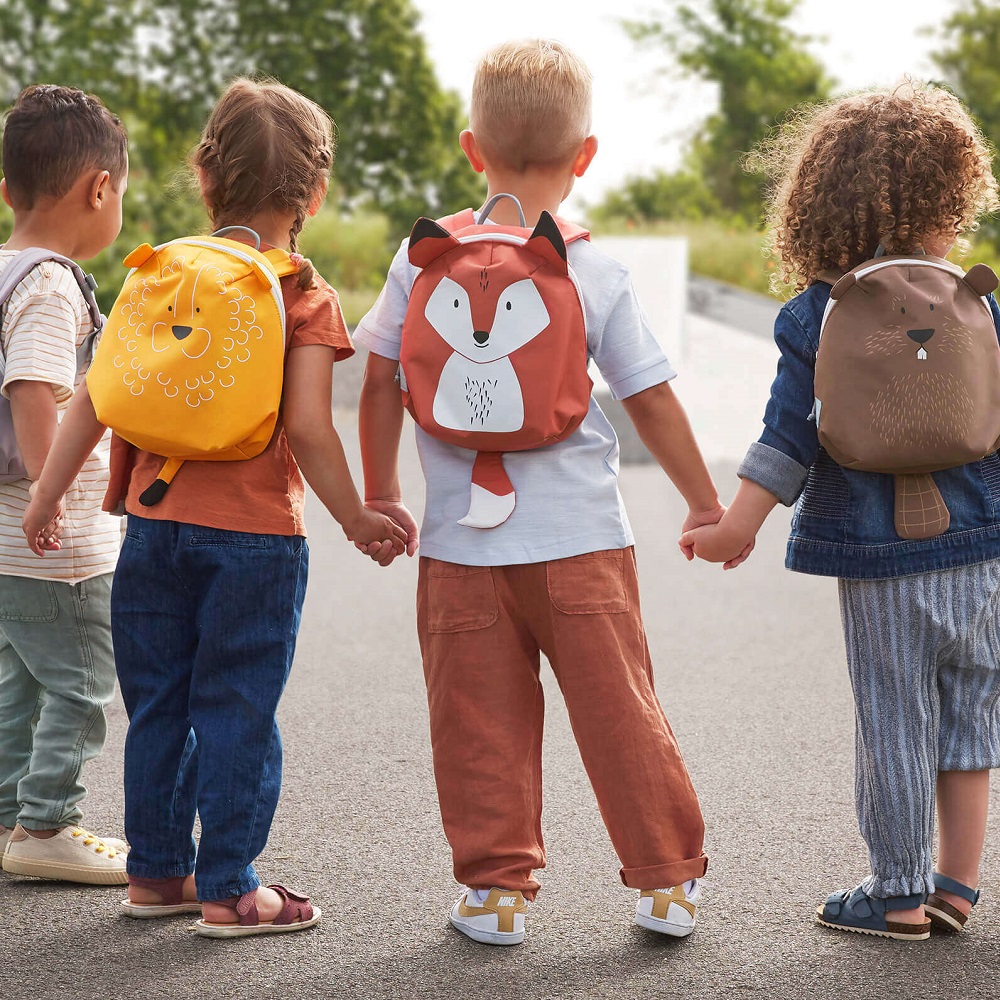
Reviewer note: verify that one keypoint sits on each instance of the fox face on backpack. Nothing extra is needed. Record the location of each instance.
(907, 377)
(191, 360)
(494, 347)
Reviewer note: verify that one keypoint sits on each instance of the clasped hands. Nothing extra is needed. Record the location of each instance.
(717, 536)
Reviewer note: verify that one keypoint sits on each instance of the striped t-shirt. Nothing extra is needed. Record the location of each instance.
(44, 323)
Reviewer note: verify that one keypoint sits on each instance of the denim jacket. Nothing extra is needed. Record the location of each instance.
(843, 521)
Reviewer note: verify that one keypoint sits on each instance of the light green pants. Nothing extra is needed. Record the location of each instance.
(57, 673)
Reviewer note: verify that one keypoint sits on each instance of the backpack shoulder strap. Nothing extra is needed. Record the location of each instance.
(829, 276)
(23, 264)
(468, 217)
(460, 220)
(27, 260)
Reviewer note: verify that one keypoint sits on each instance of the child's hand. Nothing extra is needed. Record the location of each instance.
(376, 534)
(383, 553)
(42, 523)
(695, 519)
(721, 542)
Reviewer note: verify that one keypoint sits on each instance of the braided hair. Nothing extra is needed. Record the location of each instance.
(264, 146)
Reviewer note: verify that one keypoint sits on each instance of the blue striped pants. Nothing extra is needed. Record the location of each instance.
(923, 654)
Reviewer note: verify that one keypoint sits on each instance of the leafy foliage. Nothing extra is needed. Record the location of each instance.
(761, 69)
(160, 65)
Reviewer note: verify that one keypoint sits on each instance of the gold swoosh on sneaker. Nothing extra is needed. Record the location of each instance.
(504, 912)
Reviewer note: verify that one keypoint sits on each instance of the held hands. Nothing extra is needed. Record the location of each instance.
(723, 541)
(384, 550)
(42, 523)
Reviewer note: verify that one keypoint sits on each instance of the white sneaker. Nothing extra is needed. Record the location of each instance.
(497, 919)
(121, 846)
(73, 854)
(669, 911)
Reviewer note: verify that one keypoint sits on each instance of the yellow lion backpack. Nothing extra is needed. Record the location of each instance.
(191, 359)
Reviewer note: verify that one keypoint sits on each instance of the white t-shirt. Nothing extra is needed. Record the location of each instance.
(46, 320)
(568, 500)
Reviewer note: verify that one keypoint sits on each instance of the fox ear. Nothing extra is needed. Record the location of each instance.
(428, 241)
(547, 242)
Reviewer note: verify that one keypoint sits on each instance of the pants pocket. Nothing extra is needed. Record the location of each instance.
(460, 598)
(24, 600)
(590, 584)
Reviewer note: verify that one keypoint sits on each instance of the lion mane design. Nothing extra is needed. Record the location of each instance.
(178, 315)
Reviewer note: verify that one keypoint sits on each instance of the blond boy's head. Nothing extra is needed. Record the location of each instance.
(530, 105)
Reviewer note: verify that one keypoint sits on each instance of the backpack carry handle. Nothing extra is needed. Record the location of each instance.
(246, 229)
(484, 213)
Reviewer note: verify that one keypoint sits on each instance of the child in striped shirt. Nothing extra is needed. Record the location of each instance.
(65, 167)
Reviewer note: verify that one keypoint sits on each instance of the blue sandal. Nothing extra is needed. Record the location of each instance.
(942, 913)
(854, 910)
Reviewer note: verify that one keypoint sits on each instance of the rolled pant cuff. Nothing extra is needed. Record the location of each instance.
(179, 870)
(899, 885)
(664, 876)
(211, 892)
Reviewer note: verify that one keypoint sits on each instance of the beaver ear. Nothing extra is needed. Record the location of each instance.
(547, 242)
(428, 241)
(843, 286)
(981, 279)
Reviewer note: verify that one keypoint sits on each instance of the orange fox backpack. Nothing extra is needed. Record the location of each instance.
(494, 344)
(907, 377)
(191, 360)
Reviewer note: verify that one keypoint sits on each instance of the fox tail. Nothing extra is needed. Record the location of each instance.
(492, 499)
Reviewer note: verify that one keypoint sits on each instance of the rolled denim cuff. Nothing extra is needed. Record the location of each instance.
(775, 471)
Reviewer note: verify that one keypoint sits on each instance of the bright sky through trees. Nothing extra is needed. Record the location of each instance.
(640, 119)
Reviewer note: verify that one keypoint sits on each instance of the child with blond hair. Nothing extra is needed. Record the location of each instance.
(907, 171)
(558, 576)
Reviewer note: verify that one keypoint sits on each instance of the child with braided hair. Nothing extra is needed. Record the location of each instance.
(210, 582)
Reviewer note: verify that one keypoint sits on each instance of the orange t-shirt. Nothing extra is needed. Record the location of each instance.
(264, 494)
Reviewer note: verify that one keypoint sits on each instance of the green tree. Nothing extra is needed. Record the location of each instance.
(365, 61)
(761, 68)
(968, 61)
(160, 65)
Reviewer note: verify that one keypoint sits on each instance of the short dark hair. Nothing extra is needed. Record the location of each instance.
(51, 135)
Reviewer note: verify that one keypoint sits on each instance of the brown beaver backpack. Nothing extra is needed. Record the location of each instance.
(907, 377)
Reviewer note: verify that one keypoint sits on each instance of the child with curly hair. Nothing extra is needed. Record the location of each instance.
(908, 171)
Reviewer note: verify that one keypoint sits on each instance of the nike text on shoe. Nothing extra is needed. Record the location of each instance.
(498, 919)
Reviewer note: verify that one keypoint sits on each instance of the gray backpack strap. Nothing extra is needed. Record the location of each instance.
(11, 465)
(23, 264)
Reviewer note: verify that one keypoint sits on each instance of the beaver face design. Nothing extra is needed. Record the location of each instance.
(202, 322)
(924, 402)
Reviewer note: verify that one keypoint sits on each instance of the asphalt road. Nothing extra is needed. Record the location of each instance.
(750, 669)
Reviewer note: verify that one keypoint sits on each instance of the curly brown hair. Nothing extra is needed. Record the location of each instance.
(264, 146)
(891, 167)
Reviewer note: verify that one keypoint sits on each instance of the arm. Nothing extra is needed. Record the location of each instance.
(732, 539)
(663, 426)
(775, 468)
(380, 425)
(308, 418)
(78, 436)
(33, 411)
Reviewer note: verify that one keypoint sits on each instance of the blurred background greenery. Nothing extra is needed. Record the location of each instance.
(160, 64)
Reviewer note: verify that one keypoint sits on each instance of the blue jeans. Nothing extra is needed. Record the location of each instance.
(57, 673)
(204, 624)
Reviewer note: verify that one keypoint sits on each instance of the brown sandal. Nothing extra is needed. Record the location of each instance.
(172, 901)
(297, 913)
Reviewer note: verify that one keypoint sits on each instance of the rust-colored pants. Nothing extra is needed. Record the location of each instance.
(481, 630)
